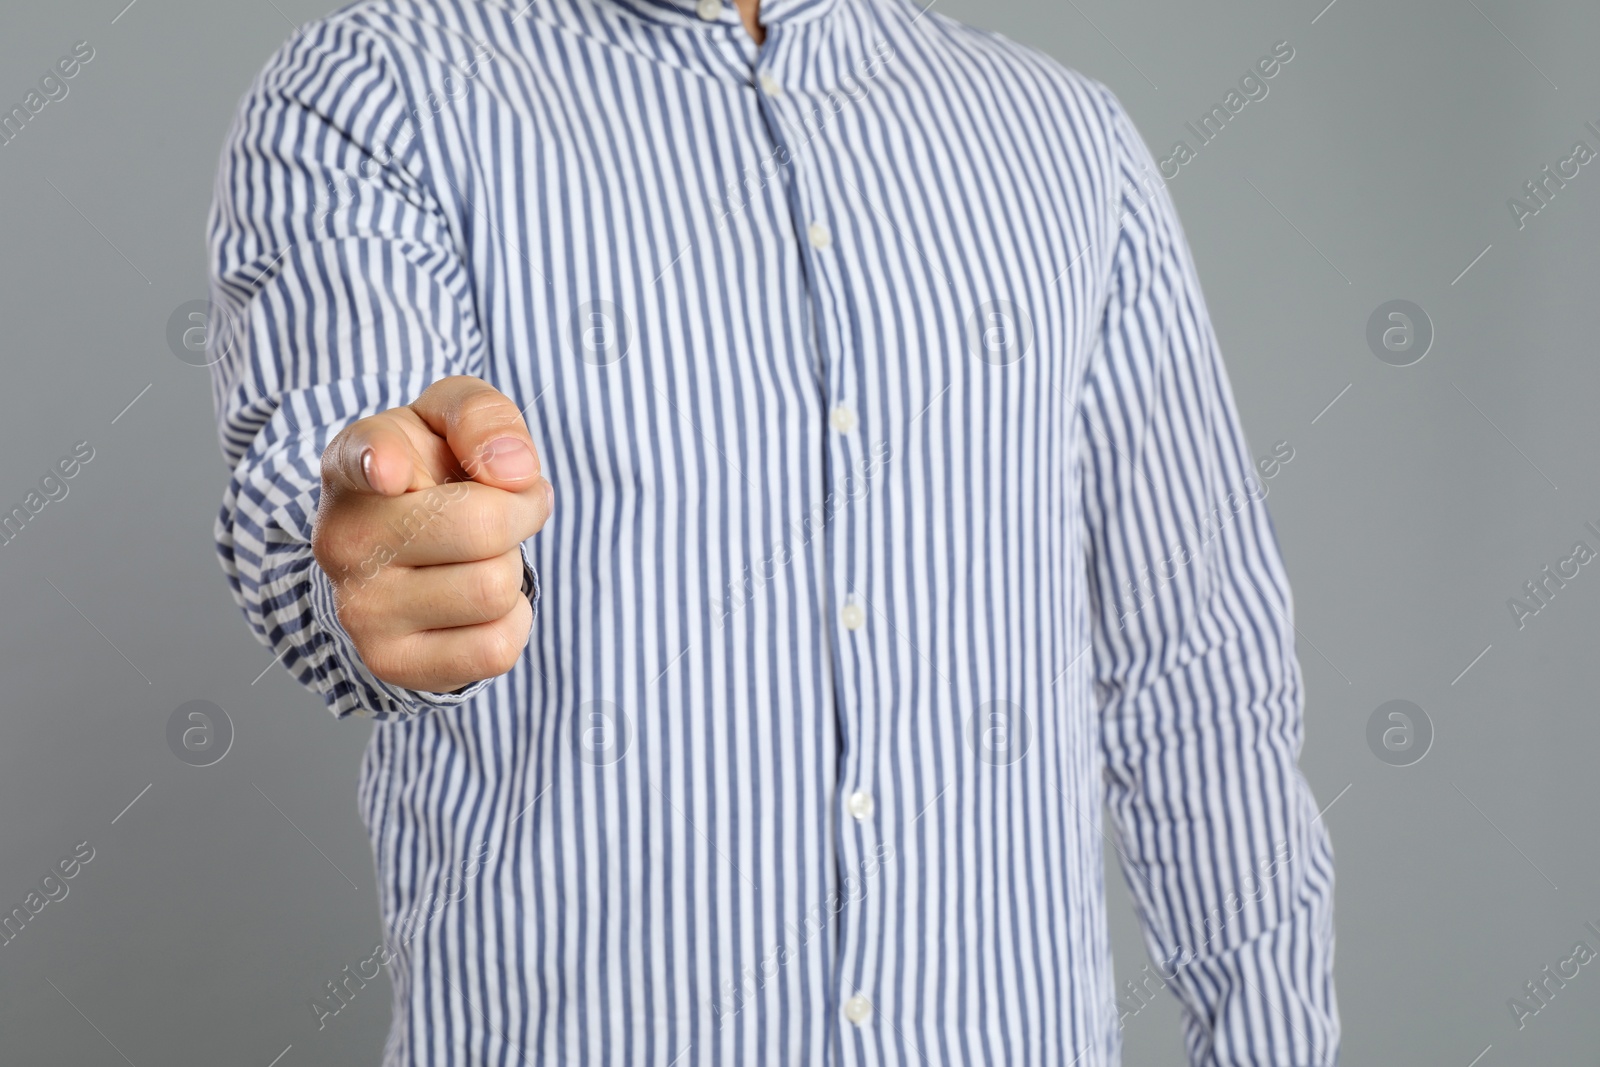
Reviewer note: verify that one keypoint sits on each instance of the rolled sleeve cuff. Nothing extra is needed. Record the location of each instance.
(530, 580)
(350, 688)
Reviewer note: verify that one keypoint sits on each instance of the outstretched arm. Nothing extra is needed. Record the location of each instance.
(385, 570)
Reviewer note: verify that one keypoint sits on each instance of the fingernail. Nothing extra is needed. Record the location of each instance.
(508, 458)
(366, 466)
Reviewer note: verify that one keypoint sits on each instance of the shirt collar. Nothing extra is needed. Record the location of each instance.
(723, 13)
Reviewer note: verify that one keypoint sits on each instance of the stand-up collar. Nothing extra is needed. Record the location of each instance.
(723, 13)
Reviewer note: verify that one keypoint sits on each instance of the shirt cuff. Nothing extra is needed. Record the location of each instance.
(530, 580)
(350, 688)
(346, 683)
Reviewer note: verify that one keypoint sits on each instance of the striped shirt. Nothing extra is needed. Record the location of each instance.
(904, 526)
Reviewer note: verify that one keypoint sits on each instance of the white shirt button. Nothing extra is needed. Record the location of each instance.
(820, 235)
(853, 617)
(860, 805)
(769, 84)
(857, 1008)
(710, 10)
(842, 419)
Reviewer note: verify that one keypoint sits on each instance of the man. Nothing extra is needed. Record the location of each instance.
(902, 518)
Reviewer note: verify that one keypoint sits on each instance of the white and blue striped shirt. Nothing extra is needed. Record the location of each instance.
(903, 521)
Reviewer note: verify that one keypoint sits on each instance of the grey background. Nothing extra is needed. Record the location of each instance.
(1377, 168)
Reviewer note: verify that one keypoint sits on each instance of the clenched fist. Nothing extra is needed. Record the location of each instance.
(423, 512)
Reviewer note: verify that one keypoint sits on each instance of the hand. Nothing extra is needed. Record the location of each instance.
(423, 512)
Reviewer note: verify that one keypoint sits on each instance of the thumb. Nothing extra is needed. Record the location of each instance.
(484, 430)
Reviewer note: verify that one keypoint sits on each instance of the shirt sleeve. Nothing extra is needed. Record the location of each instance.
(337, 291)
(1195, 670)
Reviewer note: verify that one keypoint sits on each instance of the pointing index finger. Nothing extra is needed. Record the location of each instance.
(374, 455)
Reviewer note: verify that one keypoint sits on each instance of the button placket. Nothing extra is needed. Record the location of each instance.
(812, 212)
(844, 418)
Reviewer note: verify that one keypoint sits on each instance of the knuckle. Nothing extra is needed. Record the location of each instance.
(472, 662)
(348, 538)
(517, 625)
(505, 654)
(452, 381)
(502, 657)
(408, 517)
(490, 656)
(331, 541)
(486, 530)
(502, 645)
(324, 544)
(366, 602)
(487, 406)
(387, 661)
(355, 614)
(498, 588)
(546, 509)
(527, 513)
(542, 500)
(439, 393)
